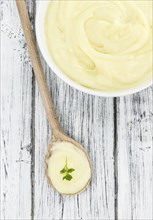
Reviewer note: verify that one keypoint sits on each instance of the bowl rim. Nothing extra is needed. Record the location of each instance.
(40, 36)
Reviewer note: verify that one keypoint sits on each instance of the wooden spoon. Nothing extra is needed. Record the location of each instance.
(57, 133)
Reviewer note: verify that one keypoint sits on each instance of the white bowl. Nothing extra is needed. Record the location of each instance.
(39, 25)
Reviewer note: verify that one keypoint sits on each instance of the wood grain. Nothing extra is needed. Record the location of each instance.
(16, 111)
(135, 156)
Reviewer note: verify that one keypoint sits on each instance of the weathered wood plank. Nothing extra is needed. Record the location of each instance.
(16, 112)
(135, 150)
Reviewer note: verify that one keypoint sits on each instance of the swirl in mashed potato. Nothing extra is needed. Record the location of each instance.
(102, 45)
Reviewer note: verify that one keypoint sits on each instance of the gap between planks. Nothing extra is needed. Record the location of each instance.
(32, 18)
(115, 153)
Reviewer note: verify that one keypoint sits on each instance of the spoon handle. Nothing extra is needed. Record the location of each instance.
(37, 66)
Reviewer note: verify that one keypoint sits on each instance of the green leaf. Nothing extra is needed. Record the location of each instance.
(63, 170)
(66, 171)
(68, 177)
(71, 170)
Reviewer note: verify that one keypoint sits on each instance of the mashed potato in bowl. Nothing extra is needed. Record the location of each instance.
(99, 47)
(103, 45)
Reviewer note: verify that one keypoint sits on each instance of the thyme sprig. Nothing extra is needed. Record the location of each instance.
(67, 172)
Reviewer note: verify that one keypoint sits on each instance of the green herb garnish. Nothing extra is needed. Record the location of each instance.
(66, 171)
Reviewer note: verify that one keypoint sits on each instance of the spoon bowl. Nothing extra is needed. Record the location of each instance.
(63, 137)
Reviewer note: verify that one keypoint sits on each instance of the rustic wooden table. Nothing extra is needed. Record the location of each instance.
(116, 132)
